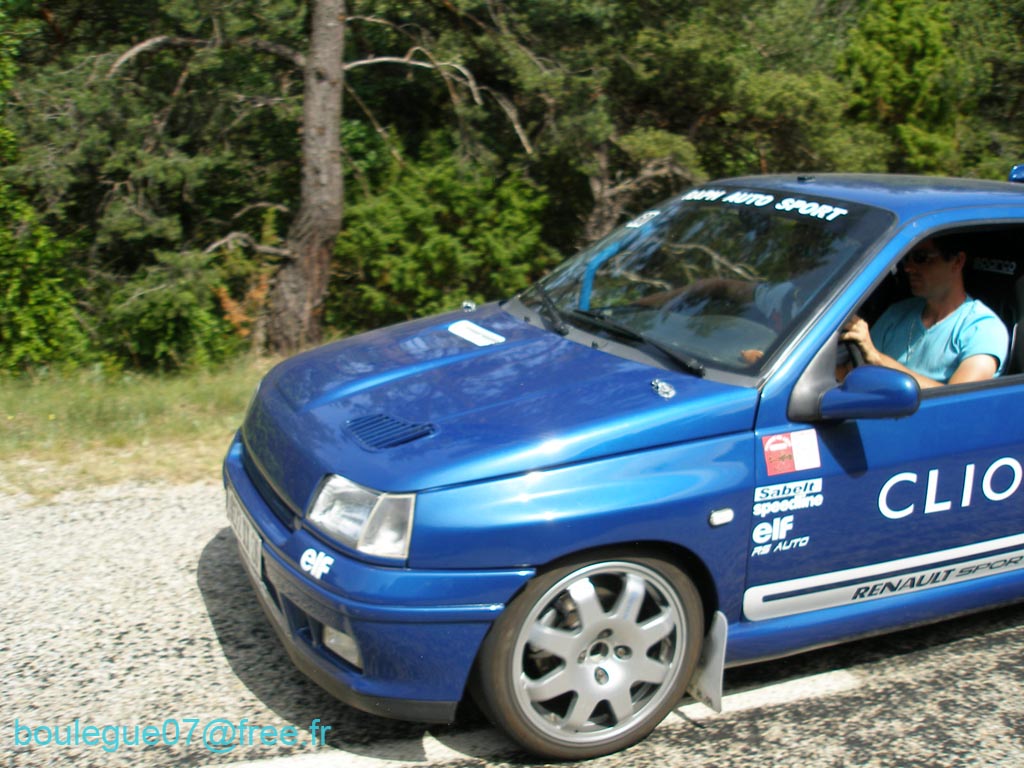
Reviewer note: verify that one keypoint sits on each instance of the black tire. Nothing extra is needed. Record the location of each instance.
(591, 656)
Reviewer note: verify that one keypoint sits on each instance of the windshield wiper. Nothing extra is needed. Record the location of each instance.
(551, 310)
(686, 362)
(606, 323)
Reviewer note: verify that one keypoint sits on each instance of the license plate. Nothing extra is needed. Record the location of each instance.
(249, 543)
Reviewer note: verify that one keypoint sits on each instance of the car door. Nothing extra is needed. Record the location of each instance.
(863, 510)
(848, 512)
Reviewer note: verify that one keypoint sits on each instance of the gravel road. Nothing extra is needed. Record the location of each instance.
(127, 606)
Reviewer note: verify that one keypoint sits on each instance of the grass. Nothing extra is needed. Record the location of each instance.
(67, 432)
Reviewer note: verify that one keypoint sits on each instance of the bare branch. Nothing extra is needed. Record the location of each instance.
(371, 20)
(290, 55)
(409, 60)
(513, 116)
(459, 13)
(257, 206)
(248, 241)
(401, 28)
(281, 51)
(380, 129)
(144, 291)
(500, 22)
(650, 171)
(159, 41)
(161, 118)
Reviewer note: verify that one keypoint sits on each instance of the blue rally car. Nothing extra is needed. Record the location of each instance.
(672, 455)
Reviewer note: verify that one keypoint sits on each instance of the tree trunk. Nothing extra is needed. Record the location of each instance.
(297, 296)
(604, 216)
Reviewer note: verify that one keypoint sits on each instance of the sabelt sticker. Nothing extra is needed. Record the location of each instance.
(788, 497)
(474, 334)
(791, 452)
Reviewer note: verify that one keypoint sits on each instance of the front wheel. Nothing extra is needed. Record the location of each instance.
(591, 656)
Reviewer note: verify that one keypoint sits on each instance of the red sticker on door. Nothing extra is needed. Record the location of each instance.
(791, 452)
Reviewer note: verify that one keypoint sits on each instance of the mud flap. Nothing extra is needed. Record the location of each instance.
(706, 683)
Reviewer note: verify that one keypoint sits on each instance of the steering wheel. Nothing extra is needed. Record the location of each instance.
(856, 353)
(719, 338)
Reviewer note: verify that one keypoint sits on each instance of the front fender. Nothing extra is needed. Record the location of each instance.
(661, 495)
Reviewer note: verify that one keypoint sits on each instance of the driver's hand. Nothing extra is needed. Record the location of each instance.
(856, 331)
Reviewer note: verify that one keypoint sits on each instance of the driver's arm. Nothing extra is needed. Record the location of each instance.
(721, 287)
(856, 331)
(980, 367)
(975, 368)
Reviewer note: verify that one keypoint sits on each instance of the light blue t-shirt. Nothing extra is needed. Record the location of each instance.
(936, 352)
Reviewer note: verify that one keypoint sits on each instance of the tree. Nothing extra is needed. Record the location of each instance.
(567, 68)
(139, 151)
(38, 322)
(300, 285)
(441, 231)
(909, 81)
(989, 38)
(167, 138)
(153, 154)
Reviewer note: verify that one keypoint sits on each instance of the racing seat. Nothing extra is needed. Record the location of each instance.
(1000, 284)
(1015, 362)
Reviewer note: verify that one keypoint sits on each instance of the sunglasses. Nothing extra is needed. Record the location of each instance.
(920, 257)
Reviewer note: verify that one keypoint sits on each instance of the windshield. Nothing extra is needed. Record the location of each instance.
(715, 278)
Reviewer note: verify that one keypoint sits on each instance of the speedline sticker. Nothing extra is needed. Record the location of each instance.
(788, 497)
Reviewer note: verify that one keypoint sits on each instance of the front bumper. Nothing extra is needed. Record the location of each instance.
(418, 632)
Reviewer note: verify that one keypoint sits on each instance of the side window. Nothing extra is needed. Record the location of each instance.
(986, 265)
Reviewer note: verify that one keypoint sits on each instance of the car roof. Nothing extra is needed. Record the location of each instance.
(906, 196)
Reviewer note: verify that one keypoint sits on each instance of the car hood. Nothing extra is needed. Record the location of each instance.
(464, 397)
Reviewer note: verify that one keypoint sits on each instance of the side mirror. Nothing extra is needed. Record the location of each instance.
(871, 392)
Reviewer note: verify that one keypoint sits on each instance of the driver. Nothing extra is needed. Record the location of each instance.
(775, 301)
(940, 335)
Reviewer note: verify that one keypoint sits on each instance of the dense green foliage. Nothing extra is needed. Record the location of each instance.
(150, 149)
(436, 234)
(38, 322)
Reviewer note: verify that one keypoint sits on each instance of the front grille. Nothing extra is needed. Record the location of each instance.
(277, 505)
(380, 432)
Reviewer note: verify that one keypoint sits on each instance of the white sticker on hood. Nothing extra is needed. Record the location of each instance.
(473, 333)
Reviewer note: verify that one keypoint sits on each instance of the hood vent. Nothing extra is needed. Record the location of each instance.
(380, 432)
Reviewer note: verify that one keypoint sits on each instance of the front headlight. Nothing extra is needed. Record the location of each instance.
(377, 524)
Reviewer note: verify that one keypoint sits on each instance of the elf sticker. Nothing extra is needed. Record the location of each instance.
(791, 452)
